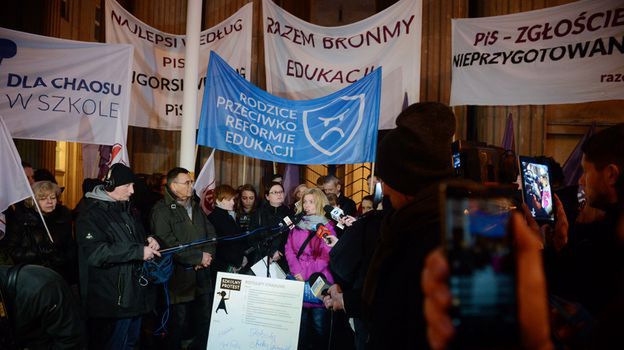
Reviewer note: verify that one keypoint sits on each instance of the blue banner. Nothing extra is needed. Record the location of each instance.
(238, 117)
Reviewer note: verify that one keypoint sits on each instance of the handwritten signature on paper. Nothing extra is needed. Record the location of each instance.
(262, 334)
(232, 344)
(226, 331)
(263, 344)
(266, 340)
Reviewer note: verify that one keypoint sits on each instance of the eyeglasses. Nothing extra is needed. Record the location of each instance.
(186, 183)
(276, 192)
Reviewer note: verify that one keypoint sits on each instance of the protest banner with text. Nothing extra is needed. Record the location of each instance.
(305, 61)
(340, 128)
(64, 90)
(158, 67)
(565, 54)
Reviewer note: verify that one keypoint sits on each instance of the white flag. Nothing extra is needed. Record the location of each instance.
(14, 185)
(205, 185)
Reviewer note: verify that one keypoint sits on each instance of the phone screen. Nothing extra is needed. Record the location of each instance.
(482, 266)
(456, 160)
(536, 189)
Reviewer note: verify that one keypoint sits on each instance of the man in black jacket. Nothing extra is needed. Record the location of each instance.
(43, 312)
(412, 159)
(112, 248)
(331, 184)
(587, 267)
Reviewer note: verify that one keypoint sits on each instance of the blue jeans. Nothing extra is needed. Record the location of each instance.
(126, 333)
(314, 330)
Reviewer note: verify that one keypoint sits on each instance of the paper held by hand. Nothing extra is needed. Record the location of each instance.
(275, 271)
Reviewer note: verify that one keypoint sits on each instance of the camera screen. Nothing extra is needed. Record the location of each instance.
(536, 189)
(482, 279)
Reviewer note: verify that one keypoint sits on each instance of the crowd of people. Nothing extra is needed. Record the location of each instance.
(383, 260)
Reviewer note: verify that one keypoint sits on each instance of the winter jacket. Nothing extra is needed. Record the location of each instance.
(111, 242)
(269, 217)
(36, 324)
(314, 258)
(172, 225)
(230, 253)
(28, 241)
(347, 205)
(392, 295)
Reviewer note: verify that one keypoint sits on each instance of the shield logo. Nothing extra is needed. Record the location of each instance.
(331, 127)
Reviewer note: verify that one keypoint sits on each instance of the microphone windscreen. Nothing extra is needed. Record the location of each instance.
(298, 217)
(318, 284)
(328, 209)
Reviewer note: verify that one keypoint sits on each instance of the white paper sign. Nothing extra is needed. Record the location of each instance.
(275, 271)
(566, 54)
(158, 68)
(251, 312)
(305, 61)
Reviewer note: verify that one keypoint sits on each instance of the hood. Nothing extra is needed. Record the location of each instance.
(99, 194)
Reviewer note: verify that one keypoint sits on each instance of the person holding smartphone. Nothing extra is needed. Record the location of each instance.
(531, 291)
(589, 267)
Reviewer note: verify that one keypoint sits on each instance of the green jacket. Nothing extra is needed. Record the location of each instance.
(172, 225)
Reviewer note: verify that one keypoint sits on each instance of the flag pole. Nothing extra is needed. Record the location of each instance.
(244, 169)
(40, 213)
(191, 70)
(371, 183)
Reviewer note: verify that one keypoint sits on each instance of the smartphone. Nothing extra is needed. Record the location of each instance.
(482, 281)
(536, 189)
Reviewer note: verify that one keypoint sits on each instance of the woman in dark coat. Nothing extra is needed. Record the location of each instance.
(230, 256)
(246, 206)
(270, 214)
(29, 242)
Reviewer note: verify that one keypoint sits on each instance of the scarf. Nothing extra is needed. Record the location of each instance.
(309, 222)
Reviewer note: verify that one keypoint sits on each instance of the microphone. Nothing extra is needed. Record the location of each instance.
(318, 284)
(336, 214)
(290, 223)
(323, 233)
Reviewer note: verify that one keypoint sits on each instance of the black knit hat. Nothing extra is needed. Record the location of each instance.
(418, 150)
(118, 175)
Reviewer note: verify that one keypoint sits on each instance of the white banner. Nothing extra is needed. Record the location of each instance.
(565, 54)
(158, 69)
(14, 185)
(64, 90)
(305, 61)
